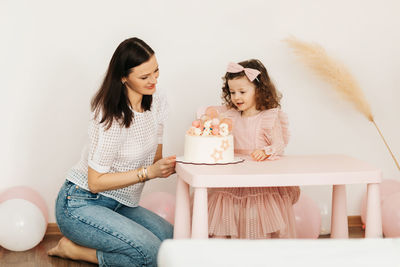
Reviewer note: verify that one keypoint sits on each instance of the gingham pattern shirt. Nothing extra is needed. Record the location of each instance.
(121, 149)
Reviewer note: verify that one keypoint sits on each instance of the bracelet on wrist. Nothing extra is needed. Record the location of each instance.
(143, 175)
(146, 174)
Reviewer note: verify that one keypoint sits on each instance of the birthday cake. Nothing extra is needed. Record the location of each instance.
(209, 139)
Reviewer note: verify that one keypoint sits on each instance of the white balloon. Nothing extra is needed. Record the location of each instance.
(22, 225)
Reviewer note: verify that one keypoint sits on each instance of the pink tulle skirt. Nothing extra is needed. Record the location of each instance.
(252, 212)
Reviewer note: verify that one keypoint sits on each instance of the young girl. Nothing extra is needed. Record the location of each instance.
(260, 131)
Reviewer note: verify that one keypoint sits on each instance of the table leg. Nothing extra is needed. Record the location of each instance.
(339, 224)
(373, 221)
(182, 210)
(200, 214)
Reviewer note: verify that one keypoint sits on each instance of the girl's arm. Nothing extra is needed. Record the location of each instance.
(259, 155)
(276, 137)
(99, 182)
(274, 149)
(276, 133)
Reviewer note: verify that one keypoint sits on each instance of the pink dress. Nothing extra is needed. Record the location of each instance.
(255, 212)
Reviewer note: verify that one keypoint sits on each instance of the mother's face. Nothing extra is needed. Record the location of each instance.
(143, 78)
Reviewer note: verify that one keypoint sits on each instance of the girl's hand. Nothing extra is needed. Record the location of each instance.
(259, 155)
(162, 168)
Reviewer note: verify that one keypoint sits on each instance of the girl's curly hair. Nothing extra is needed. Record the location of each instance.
(267, 96)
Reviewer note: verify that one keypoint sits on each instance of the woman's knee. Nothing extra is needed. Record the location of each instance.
(165, 230)
(134, 254)
(150, 220)
(168, 232)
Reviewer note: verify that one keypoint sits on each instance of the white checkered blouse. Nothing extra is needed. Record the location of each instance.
(121, 149)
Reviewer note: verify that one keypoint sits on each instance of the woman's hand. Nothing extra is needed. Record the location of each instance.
(162, 168)
(259, 155)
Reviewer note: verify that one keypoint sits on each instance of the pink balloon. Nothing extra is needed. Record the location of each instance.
(391, 215)
(387, 188)
(26, 193)
(308, 217)
(161, 203)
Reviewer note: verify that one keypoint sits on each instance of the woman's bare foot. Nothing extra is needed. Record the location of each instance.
(64, 249)
(68, 249)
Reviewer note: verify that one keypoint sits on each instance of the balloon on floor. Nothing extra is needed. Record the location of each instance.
(391, 215)
(386, 188)
(26, 216)
(161, 203)
(29, 194)
(22, 225)
(308, 217)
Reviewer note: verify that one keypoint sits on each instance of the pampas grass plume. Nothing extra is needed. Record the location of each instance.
(337, 75)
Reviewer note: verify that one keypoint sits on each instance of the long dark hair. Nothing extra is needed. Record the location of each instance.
(267, 96)
(111, 99)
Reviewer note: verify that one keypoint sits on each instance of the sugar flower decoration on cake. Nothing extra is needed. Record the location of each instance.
(217, 155)
(211, 124)
(225, 145)
(194, 131)
(207, 129)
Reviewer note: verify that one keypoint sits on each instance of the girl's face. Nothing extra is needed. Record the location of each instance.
(243, 94)
(143, 78)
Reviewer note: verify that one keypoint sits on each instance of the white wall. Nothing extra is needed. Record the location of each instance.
(53, 55)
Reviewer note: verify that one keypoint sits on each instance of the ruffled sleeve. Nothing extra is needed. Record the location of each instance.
(275, 133)
(161, 104)
(103, 144)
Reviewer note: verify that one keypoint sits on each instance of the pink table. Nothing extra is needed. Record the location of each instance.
(335, 170)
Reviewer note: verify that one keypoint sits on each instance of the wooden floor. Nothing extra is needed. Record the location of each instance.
(38, 257)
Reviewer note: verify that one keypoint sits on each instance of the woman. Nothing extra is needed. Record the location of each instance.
(97, 207)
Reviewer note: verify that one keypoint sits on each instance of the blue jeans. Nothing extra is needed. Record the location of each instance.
(121, 235)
